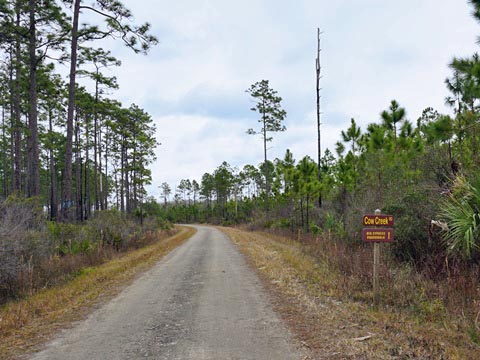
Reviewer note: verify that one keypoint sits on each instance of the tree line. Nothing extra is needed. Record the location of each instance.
(73, 147)
(423, 170)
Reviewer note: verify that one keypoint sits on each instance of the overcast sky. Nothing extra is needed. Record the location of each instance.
(193, 83)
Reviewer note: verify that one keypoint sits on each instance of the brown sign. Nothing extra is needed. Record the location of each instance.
(377, 235)
(378, 220)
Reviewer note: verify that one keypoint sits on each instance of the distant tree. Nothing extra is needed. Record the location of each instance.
(99, 59)
(166, 191)
(464, 86)
(253, 179)
(195, 190)
(308, 186)
(117, 25)
(182, 189)
(223, 184)
(352, 135)
(207, 188)
(51, 100)
(46, 30)
(284, 166)
(392, 119)
(268, 105)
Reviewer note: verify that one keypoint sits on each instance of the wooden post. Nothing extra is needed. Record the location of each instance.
(376, 265)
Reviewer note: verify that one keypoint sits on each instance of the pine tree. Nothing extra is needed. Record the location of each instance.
(117, 19)
(268, 105)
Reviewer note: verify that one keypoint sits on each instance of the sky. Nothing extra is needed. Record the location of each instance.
(193, 82)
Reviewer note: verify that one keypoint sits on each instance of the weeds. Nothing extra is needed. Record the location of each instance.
(328, 285)
(28, 322)
(433, 291)
(35, 253)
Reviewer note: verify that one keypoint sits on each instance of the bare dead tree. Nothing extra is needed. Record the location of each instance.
(318, 68)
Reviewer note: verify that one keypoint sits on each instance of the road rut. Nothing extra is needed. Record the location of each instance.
(200, 302)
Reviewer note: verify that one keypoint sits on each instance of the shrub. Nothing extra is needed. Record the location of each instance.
(315, 229)
(412, 212)
(22, 240)
(34, 252)
(113, 229)
(282, 223)
(333, 226)
(461, 212)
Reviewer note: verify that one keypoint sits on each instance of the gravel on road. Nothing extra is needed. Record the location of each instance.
(200, 302)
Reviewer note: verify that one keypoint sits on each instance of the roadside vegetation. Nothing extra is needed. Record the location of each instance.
(73, 160)
(71, 145)
(74, 167)
(325, 296)
(28, 322)
(36, 253)
(421, 168)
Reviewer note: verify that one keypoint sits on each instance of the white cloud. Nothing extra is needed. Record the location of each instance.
(193, 145)
(210, 51)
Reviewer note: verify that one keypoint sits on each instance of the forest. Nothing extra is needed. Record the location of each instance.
(74, 165)
(74, 160)
(425, 172)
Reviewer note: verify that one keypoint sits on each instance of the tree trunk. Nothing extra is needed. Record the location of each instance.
(33, 166)
(12, 123)
(301, 212)
(4, 156)
(95, 144)
(78, 176)
(141, 204)
(141, 209)
(67, 179)
(16, 110)
(265, 166)
(24, 142)
(122, 179)
(128, 203)
(126, 171)
(134, 180)
(100, 180)
(116, 192)
(344, 206)
(105, 190)
(307, 214)
(87, 177)
(319, 76)
(53, 176)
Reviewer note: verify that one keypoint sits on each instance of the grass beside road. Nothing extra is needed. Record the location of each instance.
(306, 292)
(29, 322)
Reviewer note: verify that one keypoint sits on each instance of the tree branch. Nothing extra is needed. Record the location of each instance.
(102, 14)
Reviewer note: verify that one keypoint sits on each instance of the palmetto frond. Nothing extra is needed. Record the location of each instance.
(461, 212)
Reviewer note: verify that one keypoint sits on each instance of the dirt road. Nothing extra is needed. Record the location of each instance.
(200, 302)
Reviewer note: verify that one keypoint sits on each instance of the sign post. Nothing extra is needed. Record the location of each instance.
(376, 264)
(379, 229)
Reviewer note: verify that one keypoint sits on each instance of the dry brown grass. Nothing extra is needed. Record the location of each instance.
(27, 323)
(330, 310)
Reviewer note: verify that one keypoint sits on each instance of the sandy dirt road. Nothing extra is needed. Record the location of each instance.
(200, 302)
